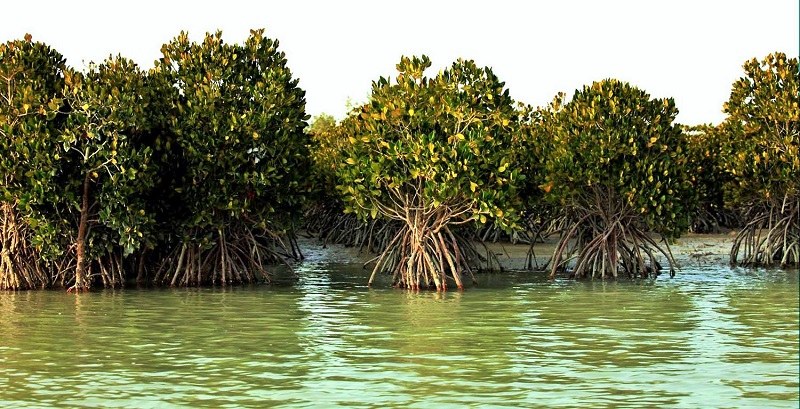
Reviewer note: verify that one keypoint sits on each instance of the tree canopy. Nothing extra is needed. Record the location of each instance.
(619, 163)
(764, 123)
(199, 170)
(432, 152)
(31, 80)
(763, 128)
(242, 155)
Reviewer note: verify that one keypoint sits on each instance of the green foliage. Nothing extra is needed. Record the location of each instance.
(321, 124)
(31, 83)
(238, 132)
(105, 140)
(705, 150)
(614, 136)
(71, 139)
(709, 149)
(763, 130)
(208, 160)
(763, 127)
(430, 153)
(113, 161)
(327, 140)
(443, 140)
(532, 145)
(235, 158)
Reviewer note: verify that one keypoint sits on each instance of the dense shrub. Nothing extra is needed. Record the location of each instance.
(431, 153)
(763, 127)
(202, 162)
(708, 152)
(31, 79)
(106, 170)
(74, 166)
(618, 167)
(238, 156)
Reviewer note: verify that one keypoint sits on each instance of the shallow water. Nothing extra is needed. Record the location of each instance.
(710, 337)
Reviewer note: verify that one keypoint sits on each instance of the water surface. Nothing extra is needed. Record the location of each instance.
(710, 337)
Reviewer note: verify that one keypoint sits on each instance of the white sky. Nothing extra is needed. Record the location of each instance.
(691, 50)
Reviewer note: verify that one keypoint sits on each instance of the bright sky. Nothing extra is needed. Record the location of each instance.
(691, 50)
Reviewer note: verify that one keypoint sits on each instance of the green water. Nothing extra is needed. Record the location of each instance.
(714, 337)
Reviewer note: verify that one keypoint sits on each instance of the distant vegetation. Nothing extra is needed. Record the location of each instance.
(200, 170)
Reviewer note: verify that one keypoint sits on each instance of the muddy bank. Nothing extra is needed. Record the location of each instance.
(689, 250)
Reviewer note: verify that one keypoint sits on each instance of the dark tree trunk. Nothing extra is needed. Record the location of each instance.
(82, 282)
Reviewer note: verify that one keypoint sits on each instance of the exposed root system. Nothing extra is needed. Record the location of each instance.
(543, 224)
(332, 226)
(772, 235)
(606, 239)
(425, 252)
(711, 219)
(20, 266)
(234, 256)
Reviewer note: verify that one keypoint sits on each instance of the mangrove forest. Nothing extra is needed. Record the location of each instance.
(204, 169)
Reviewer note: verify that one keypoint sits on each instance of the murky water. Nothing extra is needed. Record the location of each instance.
(714, 337)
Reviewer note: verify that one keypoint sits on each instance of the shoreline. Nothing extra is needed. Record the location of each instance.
(692, 249)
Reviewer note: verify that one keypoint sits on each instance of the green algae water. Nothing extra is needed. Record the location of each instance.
(710, 337)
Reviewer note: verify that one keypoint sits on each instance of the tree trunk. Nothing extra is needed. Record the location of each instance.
(140, 268)
(82, 283)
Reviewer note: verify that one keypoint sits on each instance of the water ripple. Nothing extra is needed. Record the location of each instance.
(715, 337)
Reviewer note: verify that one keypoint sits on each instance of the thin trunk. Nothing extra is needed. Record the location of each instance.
(82, 282)
(140, 268)
(178, 267)
(222, 251)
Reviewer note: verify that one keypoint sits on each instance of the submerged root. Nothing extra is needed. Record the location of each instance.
(712, 219)
(771, 237)
(111, 269)
(606, 239)
(425, 252)
(426, 258)
(331, 226)
(20, 265)
(108, 269)
(542, 225)
(235, 256)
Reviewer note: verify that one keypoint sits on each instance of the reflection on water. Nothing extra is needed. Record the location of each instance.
(708, 338)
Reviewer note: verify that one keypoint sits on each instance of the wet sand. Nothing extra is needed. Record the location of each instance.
(690, 250)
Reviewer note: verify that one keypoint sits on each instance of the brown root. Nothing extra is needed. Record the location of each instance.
(541, 225)
(606, 239)
(111, 270)
(20, 265)
(235, 256)
(419, 258)
(331, 226)
(425, 252)
(712, 219)
(771, 237)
